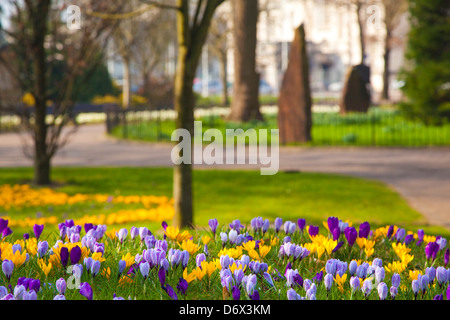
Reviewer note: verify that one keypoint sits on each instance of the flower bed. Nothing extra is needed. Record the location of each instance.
(267, 260)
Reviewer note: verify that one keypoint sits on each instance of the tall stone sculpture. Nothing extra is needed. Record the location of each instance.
(356, 95)
(294, 104)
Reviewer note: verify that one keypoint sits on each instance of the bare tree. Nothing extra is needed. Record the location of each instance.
(219, 44)
(125, 37)
(156, 30)
(393, 12)
(41, 42)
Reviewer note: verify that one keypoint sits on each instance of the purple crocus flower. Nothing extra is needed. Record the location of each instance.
(236, 225)
(350, 234)
(408, 239)
(438, 297)
(328, 281)
(364, 229)
(420, 235)
(313, 231)
(236, 293)
(278, 224)
(87, 227)
(395, 280)
(301, 224)
(169, 290)
(292, 295)
(61, 286)
(338, 246)
(448, 292)
(6, 232)
(390, 232)
(431, 250)
(162, 276)
(26, 236)
(134, 232)
(164, 225)
(336, 232)
(382, 290)
(400, 234)
(3, 224)
(64, 255)
(318, 277)
(441, 275)
(7, 267)
(86, 290)
(333, 223)
(394, 291)
(213, 224)
(254, 295)
(42, 248)
(75, 254)
(446, 257)
(34, 284)
(354, 283)
(37, 229)
(182, 286)
(199, 259)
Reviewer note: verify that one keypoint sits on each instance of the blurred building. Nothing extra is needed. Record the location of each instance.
(332, 34)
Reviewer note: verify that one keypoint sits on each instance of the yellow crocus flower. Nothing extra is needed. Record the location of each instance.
(98, 256)
(188, 277)
(206, 239)
(46, 268)
(129, 260)
(190, 246)
(340, 281)
(264, 250)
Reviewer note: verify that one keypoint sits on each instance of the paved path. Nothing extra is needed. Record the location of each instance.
(421, 176)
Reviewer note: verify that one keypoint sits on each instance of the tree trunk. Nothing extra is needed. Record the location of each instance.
(182, 175)
(223, 75)
(361, 31)
(245, 104)
(126, 89)
(41, 154)
(386, 73)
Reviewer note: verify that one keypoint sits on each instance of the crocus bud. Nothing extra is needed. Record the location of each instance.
(354, 283)
(42, 248)
(366, 287)
(19, 291)
(328, 281)
(213, 224)
(198, 260)
(278, 223)
(441, 275)
(352, 267)
(393, 292)
(134, 232)
(292, 295)
(143, 232)
(29, 295)
(61, 286)
(145, 269)
(7, 267)
(95, 268)
(59, 297)
(395, 280)
(122, 235)
(382, 290)
(415, 286)
(122, 265)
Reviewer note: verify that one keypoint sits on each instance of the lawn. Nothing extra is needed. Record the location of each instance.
(228, 195)
(379, 127)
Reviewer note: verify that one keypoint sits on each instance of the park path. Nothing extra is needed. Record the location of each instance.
(420, 175)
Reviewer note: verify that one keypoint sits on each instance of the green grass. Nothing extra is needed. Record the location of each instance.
(228, 195)
(380, 127)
